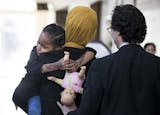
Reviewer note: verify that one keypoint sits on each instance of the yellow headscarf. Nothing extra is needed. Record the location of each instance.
(80, 26)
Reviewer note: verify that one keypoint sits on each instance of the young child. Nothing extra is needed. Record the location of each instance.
(150, 48)
(42, 61)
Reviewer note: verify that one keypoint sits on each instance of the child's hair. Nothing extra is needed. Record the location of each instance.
(56, 33)
(148, 44)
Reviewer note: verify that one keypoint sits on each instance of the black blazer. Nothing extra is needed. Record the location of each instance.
(124, 83)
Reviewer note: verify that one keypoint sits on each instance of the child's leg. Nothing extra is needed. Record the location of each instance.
(34, 106)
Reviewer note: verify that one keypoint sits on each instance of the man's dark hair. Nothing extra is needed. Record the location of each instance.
(130, 22)
(56, 33)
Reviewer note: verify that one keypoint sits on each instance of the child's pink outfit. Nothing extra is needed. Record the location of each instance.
(72, 80)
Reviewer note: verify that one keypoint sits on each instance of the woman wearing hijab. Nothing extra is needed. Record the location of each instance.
(80, 27)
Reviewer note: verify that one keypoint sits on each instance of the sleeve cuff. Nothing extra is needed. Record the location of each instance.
(91, 49)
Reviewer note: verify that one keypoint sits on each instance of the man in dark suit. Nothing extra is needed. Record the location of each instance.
(128, 81)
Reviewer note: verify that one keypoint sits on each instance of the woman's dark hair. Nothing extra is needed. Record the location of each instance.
(56, 33)
(130, 22)
(150, 44)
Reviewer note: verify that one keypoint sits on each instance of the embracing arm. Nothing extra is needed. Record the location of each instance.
(70, 65)
(50, 67)
(88, 56)
(35, 66)
(60, 64)
(84, 59)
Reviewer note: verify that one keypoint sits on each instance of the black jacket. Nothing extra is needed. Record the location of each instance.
(36, 83)
(124, 83)
(30, 84)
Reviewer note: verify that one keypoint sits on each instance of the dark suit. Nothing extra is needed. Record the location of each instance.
(124, 83)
